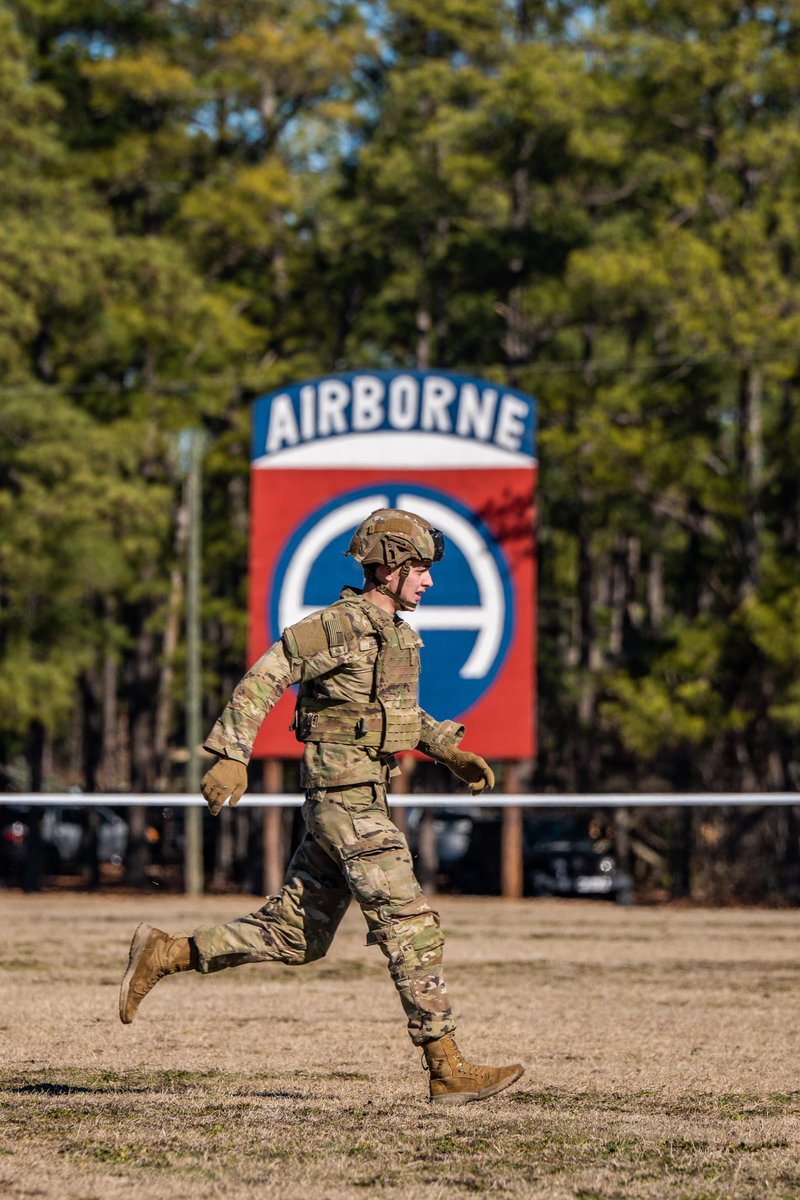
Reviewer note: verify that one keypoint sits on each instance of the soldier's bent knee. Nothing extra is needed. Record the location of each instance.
(285, 937)
(411, 937)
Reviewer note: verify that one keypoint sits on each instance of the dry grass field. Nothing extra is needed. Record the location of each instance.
(661, 1048)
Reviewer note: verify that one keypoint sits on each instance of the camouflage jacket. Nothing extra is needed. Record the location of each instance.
(357, 668)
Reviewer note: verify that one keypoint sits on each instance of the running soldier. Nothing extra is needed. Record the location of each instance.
(357, 667)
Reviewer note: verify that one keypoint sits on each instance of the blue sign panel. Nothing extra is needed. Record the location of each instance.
(465, 620)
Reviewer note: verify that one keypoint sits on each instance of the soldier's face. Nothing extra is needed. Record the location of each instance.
(416, 584)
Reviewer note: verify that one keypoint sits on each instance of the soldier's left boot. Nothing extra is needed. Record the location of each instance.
(153, 954)
(456, 1081)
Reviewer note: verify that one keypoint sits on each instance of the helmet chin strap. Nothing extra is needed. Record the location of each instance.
(405, 605)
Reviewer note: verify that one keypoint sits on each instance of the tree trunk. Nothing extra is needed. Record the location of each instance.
(523, 21)
(751, 467)
(164, 706)
(224, 849)
(693, 574)
(788, 485)
(110, 769)
(141, 675)
(586, 648)
(656, 606)
(680, 854)
(242, 859)
(617, 581)
(517, 344)
(423, 348)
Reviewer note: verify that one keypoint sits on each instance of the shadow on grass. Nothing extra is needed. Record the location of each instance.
(53, 1089)
(72, 1089)
(276, 1095)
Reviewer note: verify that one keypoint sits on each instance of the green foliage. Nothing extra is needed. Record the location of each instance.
(79, 524)
(677, 702)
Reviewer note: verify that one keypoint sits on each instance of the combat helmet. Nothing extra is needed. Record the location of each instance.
(393, 537)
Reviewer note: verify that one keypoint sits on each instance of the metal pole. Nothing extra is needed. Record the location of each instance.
(32, 875)
(428, 852)
(622, 838)
(511, 866)
(193, 846)
(401, 786)
(272, 831)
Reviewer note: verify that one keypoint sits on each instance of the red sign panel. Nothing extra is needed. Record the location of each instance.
(459, 452)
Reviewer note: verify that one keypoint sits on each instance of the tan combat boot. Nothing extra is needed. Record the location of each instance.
(455, 1081)
(153, 955)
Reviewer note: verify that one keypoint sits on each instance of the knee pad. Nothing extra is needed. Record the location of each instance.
(413, 938)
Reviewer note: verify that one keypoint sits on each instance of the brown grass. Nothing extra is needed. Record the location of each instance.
(661, 1052)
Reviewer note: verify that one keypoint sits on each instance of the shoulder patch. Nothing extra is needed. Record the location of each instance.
(328, 630)
(334, 632)
(306, 638)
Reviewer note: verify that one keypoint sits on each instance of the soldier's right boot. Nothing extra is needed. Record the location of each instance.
(456, 1081)
(153, 954)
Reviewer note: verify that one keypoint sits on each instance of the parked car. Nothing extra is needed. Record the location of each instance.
(13, 838)
(560, 857)
(464, 854)
(62, 833)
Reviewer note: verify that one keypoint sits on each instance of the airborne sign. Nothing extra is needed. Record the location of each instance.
(349, 405)
(455, 449)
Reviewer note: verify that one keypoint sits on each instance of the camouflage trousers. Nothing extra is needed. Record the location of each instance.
(351, 849)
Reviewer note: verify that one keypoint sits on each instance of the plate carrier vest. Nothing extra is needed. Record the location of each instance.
(390, 720)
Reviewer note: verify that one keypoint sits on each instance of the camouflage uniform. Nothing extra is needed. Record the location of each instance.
(357, 668)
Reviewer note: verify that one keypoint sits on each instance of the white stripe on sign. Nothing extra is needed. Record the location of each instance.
(292, 608)
(486, 618)
(489, 617)
(349, 451)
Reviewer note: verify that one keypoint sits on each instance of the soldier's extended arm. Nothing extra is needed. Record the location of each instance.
(235, 731)
(253, 697)
(439, 740)
(306, 650)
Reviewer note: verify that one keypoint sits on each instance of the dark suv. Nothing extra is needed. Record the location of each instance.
(560, 856)
(562, 859)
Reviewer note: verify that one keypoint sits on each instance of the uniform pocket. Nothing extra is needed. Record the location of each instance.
(379, 869)
(383, 842)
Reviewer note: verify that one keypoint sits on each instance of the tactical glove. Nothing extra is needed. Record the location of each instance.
(226, 778)
(474, 770)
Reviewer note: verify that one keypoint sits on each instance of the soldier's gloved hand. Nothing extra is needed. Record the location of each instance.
(226, 778)
(474, 770)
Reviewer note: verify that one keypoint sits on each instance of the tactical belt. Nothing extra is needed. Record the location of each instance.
(348, 725)
(318, 727)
